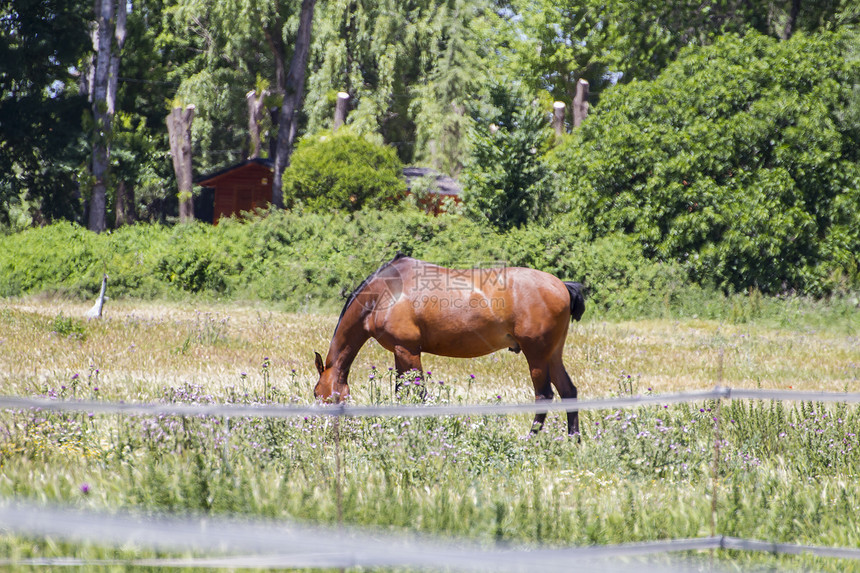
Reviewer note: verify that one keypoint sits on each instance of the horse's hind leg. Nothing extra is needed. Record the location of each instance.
(539, 371)
(561, 380)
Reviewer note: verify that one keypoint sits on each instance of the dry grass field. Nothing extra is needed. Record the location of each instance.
(140, 347)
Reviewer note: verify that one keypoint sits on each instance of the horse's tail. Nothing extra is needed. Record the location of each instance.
(577, 300)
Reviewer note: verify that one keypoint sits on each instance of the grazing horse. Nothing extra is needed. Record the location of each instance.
(410, 306)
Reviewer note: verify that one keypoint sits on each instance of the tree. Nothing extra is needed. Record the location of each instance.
(41, 144)
(110, 26)
(409, 68)
(179, 129)
(220, 51)
(456, 70)
(505, 180)
(242, 45)
(141, 169)
(739, 161)
(293, 97)
(553, 43)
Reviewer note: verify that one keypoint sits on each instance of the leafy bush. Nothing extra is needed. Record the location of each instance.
(343, 171)
(738, 161)
(54, 258)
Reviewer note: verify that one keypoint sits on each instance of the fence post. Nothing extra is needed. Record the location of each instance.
(337, 470)
(716, 462)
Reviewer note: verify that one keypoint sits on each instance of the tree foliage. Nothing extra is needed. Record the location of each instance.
(231, 47)
(735, 161)
(42, 145)
(554, 43)
(343, 171)
(409, 68)
(505, 179)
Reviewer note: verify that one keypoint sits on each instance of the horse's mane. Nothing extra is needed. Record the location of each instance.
(352, 296)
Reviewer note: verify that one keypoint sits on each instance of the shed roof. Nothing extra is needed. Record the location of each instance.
(211, 178)
(445, 185)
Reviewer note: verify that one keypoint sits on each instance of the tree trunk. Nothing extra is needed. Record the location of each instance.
(255, 116)
(295, 87)
(125, 211)
(558, 109)
(110, 24)
(119, 34)
(179, 131)
(340, 110)
(274, 115)
(276, 47)
(101, 137)
(88, 75)
(792, 19)
(580, 103)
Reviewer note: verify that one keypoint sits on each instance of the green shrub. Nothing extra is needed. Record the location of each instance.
(313, 260)
(343, 171)
(199, 258)
(738, 162)
(57, 258)
(505, 180)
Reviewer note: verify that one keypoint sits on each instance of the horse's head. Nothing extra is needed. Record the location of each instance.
(328, 388)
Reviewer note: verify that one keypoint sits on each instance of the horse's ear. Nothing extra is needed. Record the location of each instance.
(319, 362)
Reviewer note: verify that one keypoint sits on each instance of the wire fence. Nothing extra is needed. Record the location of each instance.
(233, 543)
(418, 411)
(288, 545)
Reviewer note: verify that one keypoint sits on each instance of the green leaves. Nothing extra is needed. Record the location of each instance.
(343, 171)
(41, 143)
(408, 67)
(732, 162)
(505, 179)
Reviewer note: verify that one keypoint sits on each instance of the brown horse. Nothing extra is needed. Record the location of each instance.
(411, 307)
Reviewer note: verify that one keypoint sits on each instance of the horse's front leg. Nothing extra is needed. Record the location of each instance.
(406, 360)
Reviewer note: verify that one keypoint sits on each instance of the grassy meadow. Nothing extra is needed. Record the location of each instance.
(788, 471)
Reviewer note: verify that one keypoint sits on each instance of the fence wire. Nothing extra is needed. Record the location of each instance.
(290, 545)
(349, 410)
(234, 543)
(254, 544)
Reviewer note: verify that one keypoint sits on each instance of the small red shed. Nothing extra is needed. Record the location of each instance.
(242, 187)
